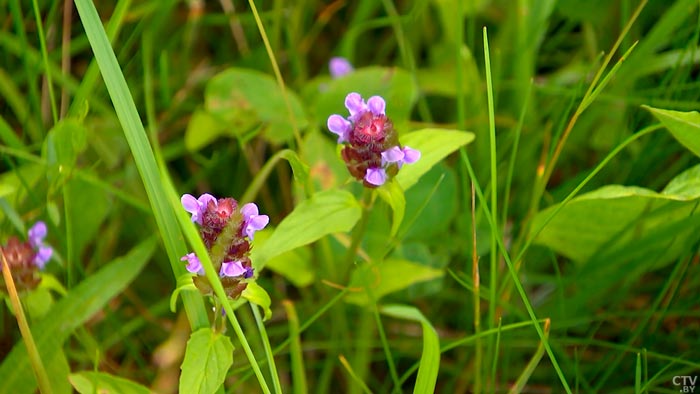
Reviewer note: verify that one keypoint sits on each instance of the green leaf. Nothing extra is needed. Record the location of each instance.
(88, 382)
(299, 168)
(392, 193)
(257, 295)
(184, 283)
(684, 126)
(203, 128)
(387, 277)
(208, 357)
(62, 145)
(430, 358)
(396, 86)
(81, 303)
(324, 213)
(294, 265)
(434, 145)
(243, 98)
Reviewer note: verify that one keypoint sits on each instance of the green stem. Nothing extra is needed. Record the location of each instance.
(268, 350)
(367, 198)
(45, 57)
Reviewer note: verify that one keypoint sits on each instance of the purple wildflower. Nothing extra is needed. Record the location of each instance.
(217, 218)
(339, 66)
(372, 152)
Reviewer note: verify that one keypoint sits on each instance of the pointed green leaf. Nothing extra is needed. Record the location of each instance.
(430, 358)
(257, 295)
(434, 145)
(684, 126)
(387, 277)
(208, 357)
(88, 382)
(324, 213)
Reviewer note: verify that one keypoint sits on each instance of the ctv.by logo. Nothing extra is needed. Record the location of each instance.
(688, 384)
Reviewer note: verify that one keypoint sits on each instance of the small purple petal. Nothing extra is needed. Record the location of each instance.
(37, 234)
(340, 126)
(42, 256)
(255, 224)
(253, 221)
(249, 210)
(204, 199)
(193, 264)
(410, 155)
(339, 66)
(375, 176)
(232, 269)
(376, 105)
(392, 155)
(355, 104)
(248, 272)
(192, 206)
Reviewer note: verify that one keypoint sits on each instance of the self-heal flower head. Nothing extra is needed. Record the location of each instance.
(227, 231)
(339, 66)
(371, 151)
(196, 206)
(252, 221)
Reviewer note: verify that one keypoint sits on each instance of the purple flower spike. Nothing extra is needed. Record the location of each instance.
(193, 264)
(355, 104)
(252, 220)
(42, 256)
(340, 126)
(232, 269)
(37, 234)
(339, 66)
(196, 206)
(375, 176)
(410, 155)
(376, 105)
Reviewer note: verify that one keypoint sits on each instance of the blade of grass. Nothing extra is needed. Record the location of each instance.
(299, 385)
(141, 150)
(268, 350)
(531, 365)
(362, 385)
(45, 57)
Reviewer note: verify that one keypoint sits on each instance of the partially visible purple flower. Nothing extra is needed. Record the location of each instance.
(36, 235)
(376, 176)
(355, 105)
(234, 269)
(196, 206)
(339, 66)
(252, 220)
(193, 264)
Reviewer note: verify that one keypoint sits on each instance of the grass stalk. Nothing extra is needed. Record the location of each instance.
(35, 358)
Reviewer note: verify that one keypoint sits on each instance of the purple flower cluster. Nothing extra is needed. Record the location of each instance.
(372, 152)
(214, 217)
(26, 258)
